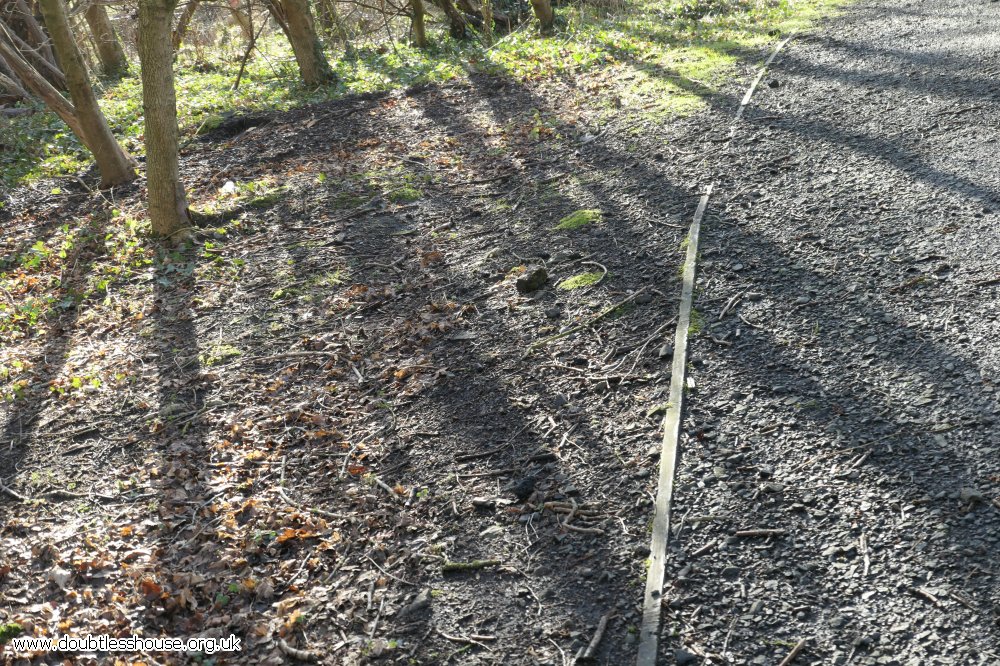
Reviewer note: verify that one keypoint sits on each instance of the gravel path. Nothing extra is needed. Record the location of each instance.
(845, 378)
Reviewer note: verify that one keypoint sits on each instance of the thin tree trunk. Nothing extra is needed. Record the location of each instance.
(8, 80)
(45, 67)
(488, 21)
(544, 14)
(167, 202)
(38, 85)
(113, 162)
(251, 45)
(13, 88)
(241, 18)
(183, 22)
(109, 49)
(19, 12)
(456, 22)
(419, 32)
(296, 20)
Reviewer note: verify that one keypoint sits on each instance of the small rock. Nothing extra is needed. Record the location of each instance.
(532, 280)
(566, 255)
(485, 503)
(971, 495)
(419, 603)
(684, 657)
(838, 622)
(522, 489)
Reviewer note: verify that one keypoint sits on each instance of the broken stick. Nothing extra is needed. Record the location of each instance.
(468, 566)
(587, 654)
(794, 653)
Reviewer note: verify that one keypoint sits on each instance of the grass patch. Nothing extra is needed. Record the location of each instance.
(580, 281)
(578, 219)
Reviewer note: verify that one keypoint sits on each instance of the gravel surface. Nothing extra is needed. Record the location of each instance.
(845, 378)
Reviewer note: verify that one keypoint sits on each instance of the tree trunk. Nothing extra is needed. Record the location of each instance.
(19, 13)
(488, 21)
(241, 18)
(456, 22)
(543, 12)
(38, 85)
(168, 213)
(32, 55)
(296, 20)
(109, 49)
(13, 88)
(419, 32)
(9, 82)
(183, 22)
(115, 165)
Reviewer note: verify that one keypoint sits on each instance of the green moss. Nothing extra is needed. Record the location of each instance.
(579, 218)
(217, 354)
(581, 280)
(9, 631)
(209, 124)
(404, 194)
(268, 199)
(697, 324)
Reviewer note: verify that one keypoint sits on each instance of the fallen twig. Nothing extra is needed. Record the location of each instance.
(386, 487)
(587, 654)
(925, 595)
(863, 547)
(13, 494)
(707, 548)
(794, 653)
(729, 305)
(474, 565)
(583, 530)
(469, 640)
(962, 599)
(761, 533)
(599, 265)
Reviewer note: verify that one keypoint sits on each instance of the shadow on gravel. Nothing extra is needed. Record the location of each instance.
(826, 385)
(812, 364)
